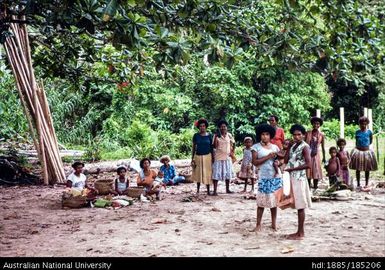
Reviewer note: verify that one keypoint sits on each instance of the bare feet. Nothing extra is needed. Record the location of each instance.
(214, 194)
(229, 191)
(274, 227)
(295, 236)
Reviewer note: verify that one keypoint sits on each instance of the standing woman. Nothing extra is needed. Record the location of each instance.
(315, 138)
(298, 160)
(202, 156)
(264, 156)
(279, 132)
(362, 157)
(224, 149)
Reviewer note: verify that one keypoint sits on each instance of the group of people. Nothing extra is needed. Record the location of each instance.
(212, 157)
(265, 161)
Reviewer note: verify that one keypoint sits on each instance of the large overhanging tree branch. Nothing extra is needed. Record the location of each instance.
(338, 38)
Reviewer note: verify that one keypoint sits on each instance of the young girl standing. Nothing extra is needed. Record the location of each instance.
(344, 157)
(247, 169)
(363, 158)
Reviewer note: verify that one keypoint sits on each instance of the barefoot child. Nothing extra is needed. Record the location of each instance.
(363, 158)
(122, 182)
(247, 169)
(344, 157)
(333, 167)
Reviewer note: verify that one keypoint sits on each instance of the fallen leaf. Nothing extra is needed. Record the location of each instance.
(287, 250)
(252, 248)
(216, 209)
(89, 249)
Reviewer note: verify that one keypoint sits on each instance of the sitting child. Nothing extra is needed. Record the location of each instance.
(77, 180)
(122, 182)
(158, 182)
(333, 166)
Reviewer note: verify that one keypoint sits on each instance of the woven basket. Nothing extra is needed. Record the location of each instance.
(134, 192)
(104, 186)
(74, 202)
(187, 178)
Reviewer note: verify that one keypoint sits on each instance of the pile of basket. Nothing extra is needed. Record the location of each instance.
(134, 192)
(71, 201)
(187, 175)
(104, 186)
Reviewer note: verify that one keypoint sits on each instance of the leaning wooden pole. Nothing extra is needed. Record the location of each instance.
(35, 104)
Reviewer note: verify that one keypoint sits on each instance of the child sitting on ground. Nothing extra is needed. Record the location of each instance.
(333, 166)
(121, 182)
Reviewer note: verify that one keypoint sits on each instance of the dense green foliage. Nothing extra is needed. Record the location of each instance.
(129, 78)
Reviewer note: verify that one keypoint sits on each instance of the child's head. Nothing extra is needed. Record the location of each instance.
(341, 143)
(248, 142)
(316, 122)
(286, 144)
(121, 171)
(363, 122)
(160, 174)
(165, 160)
(78, 167)
(333, 151)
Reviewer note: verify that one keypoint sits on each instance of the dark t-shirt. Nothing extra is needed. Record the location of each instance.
(204, 144)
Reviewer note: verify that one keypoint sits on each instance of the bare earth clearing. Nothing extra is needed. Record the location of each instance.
(34, 224)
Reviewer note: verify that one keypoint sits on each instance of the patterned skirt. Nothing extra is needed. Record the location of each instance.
(202, 172)
(265, 194)
(363, 160)
(223, 170)
(248, 171)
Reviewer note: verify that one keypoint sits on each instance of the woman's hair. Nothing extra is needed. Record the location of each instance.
(142, 162)
(202, 121)
(121, 168)
(77, 163)
(264, 128)
(333, 148)
(297, 127)
(316, 119)
(164, 158)
(341, 141)
(221, 122)
(275, 117)
(363, 119)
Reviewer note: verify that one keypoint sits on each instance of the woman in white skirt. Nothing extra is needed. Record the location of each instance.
(264, 157)
(224, 149)
(298, 160)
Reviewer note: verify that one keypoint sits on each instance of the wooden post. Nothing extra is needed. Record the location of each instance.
(342, 122)
(370, 117)
(365, 111)
(318, 113)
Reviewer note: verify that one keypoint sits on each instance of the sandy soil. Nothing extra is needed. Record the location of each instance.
(34, 224)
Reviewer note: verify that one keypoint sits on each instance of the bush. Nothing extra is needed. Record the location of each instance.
(331, 129)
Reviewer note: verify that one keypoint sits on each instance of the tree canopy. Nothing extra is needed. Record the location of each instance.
(340, 39)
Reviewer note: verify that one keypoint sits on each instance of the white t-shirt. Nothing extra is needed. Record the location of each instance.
(78, 182)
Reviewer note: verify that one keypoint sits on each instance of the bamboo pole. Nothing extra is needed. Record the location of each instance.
(318, 113)
(365, 111)
(370, 117)
(35, 104)
(342, 122)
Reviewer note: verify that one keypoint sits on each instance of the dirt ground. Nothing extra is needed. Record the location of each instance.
(34, 224)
